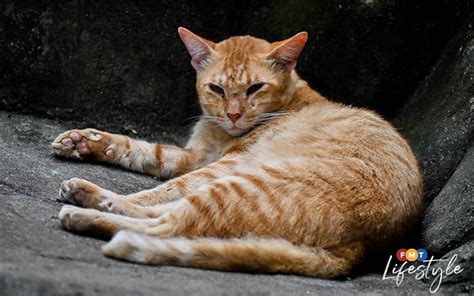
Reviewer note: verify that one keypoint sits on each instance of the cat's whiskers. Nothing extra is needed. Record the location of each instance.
(212, 119)
(193, 118)
(264, 117)
(208, 118)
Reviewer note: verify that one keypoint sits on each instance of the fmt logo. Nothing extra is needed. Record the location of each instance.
(412, 255)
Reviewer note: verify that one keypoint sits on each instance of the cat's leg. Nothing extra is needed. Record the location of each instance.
(181, 186)
(150, 158)
(225, 207)
(102, 224)
(86, 194)
(250, 254)
(160, 241)
(223, 211)
(143, 204)
(160, 160)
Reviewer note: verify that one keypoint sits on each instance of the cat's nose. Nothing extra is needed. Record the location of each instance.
(234, 116)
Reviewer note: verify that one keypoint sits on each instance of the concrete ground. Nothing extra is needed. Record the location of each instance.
(38, 257)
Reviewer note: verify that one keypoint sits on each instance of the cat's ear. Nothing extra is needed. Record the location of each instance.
(199, 48)
(286, 52)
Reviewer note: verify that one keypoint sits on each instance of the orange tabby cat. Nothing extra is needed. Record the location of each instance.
(275, 178)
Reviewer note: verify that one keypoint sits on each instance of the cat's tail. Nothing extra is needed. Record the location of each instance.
(248, 254)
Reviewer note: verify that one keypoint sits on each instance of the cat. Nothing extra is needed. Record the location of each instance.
(274, 179)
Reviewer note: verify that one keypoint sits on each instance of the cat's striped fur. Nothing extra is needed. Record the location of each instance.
(275, 178)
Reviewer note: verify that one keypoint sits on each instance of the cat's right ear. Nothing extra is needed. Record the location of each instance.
(199, 48)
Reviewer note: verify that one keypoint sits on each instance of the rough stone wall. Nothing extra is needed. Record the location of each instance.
(121, 64)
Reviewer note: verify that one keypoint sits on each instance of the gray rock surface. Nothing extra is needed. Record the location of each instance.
(449, 219)
(463, 281)
(89, 60)
(438, 122)
(438, 119)
(38, 257)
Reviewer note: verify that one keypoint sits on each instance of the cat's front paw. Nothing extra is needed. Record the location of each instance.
(80, 192)
(78, 144)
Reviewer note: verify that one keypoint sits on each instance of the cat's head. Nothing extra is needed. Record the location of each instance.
(242, 80)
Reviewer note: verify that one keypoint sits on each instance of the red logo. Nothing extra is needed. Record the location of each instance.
(402, 255)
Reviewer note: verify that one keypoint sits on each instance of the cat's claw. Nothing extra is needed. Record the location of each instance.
(77, 144)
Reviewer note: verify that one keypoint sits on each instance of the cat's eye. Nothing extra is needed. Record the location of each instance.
(217, 89)
(254, 88)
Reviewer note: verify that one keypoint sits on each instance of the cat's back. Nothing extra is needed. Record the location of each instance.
(350, 156)
(334, 131)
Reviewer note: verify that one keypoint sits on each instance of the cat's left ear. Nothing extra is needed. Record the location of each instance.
(199, 48)
(285, 53)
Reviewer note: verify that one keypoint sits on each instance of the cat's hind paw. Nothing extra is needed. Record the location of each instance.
(78, 219)
(80, 192)
(72, 218)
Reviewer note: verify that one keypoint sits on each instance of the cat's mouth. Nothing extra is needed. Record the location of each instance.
(235, 131)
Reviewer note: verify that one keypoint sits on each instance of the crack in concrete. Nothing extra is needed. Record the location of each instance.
(66, 258)
(15, 189)
(20, 191)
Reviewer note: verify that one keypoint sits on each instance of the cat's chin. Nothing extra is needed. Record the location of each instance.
(235, 131)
